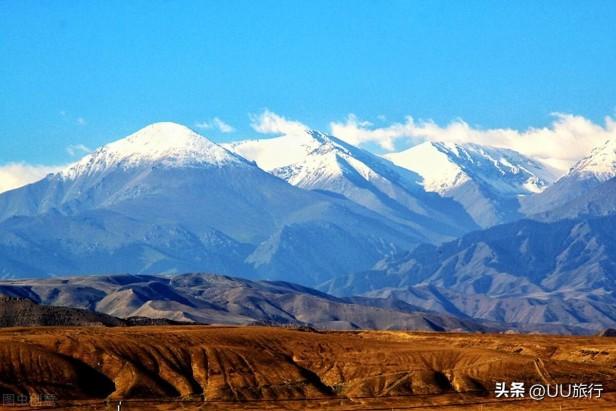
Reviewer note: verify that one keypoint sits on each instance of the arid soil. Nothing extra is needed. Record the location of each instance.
(229, 368)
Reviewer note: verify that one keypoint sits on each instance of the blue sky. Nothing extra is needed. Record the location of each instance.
(85, 73)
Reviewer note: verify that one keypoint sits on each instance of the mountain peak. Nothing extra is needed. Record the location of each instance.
(445, 166)
(160, 140)
(600, 163)
(281, 151)
(165, 143)
(432, 161)
(165, 132)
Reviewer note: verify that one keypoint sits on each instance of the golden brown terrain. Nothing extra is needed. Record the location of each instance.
(229, 368)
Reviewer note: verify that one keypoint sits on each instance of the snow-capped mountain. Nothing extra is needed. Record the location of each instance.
(160, 145)
(599, 164)
(166, 199)
(166, 144)
(315, 161)
(487, 181)
(445, 166)
(588, 173)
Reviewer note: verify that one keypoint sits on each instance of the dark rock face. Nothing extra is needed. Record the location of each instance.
(22, 312)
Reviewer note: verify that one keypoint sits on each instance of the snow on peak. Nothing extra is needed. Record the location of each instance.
(315, 160)
(440, 173)
(272, 153)
(167, 144)
(310, 156)
(445, 166)
(600, 163)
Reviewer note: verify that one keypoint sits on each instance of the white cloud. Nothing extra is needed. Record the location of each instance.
(14, 175)
(77, 149)
(271, 123)
(81, 121)
(217, 124)
(566, 140)
(358, 132)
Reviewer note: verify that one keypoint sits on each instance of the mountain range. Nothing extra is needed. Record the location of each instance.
(215, 299)
(168, 200)
(555, 266)
(315, 161)
(200, 298)
(465, 230)
(528, 271)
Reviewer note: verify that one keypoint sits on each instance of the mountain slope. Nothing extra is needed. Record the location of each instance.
(98, 241)
(596, 201)
(315, 161)
(166, 200)
(527, 271)
(588, 173)
(487, 181)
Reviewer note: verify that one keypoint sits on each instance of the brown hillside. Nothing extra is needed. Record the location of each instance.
(251, 367)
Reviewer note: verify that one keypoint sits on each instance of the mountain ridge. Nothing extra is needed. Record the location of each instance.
(589, 172)
(315, 161)
(486, 181)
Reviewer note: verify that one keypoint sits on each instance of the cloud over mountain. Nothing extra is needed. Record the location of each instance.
(566, 140)
(269, 122)
(15, 175)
